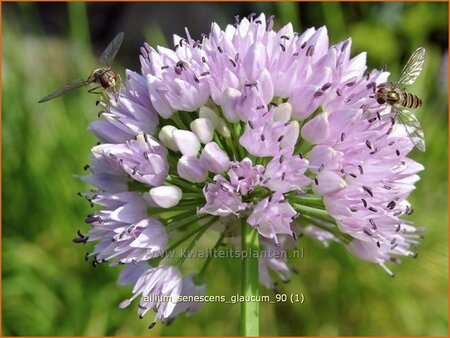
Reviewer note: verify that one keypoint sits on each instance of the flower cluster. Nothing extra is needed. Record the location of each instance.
(275, 128)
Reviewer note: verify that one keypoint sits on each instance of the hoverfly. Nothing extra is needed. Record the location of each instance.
(400, 100)
(104, 76)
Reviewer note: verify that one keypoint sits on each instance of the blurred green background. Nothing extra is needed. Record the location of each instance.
(48, 289)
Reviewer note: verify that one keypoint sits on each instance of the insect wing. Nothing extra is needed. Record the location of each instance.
(110, 52)
(64, 89)
(412, 127)
(412, 68)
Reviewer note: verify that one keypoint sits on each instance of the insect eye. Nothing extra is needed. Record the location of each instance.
(381, 100)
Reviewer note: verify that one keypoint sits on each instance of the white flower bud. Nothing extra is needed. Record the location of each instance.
(230, 100)
(208, 113)
(214, 158)
(291, 136)
(187, 142)
(203, 128)
(283, 112)
(191, 169)
(316, 130)
(222, 129)
(327, 182)
(166, 196)
(166, 137)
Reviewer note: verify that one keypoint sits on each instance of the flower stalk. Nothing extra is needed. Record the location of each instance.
(249, 282)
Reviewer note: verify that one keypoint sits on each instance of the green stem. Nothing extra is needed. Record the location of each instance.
(199, 278)
(249, 281)
(176, 224)
(190, 234)
(315, 212)
(178, 122)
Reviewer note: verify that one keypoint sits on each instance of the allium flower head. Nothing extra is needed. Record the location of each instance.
(246, 127)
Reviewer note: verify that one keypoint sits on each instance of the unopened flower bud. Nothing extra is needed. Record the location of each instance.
(327, 182)
(166, 137)
(230, 100)
(208, 113)
(191, 169)
(166, 196)
(283, 112)
(222, 129)
(187, 142)
(203, 128)
(214, 159)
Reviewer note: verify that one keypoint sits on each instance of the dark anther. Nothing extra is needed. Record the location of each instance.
(391, 205)
(353, 175)
(303, 45)
(282, 47)
(360, 169)
(342, 137)
(373, 209)
(284, 37)
(344, 45)
(350, 84)
(338, 92)
(252, 84)
(316, 181)
(145, 155)
(364, 202)
(263, 138)
(250, 124)
(368, 190)
(270, 198)
(86, 167)
(241, 178)
(204, 73)
(203, 59)
(280, 138)
(114, 157)
(373, 119)
(397, 152)
(152, 325)
(310, 51)
(281, 159)
(372, 222)
(369, 144)
(260, 107)
(283, 176)
(367, 231)
(326, 86)
(378, 244)
(220, 49)
(318, 93)
(233, 63)
(236, 57)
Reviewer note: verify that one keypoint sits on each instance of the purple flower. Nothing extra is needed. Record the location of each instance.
(275, 129)
(285, 172)
(159, 289)
(222, 198)
(272, 216)
(123, 230)
(244, 176)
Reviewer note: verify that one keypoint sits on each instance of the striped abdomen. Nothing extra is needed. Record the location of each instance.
(410, 100)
